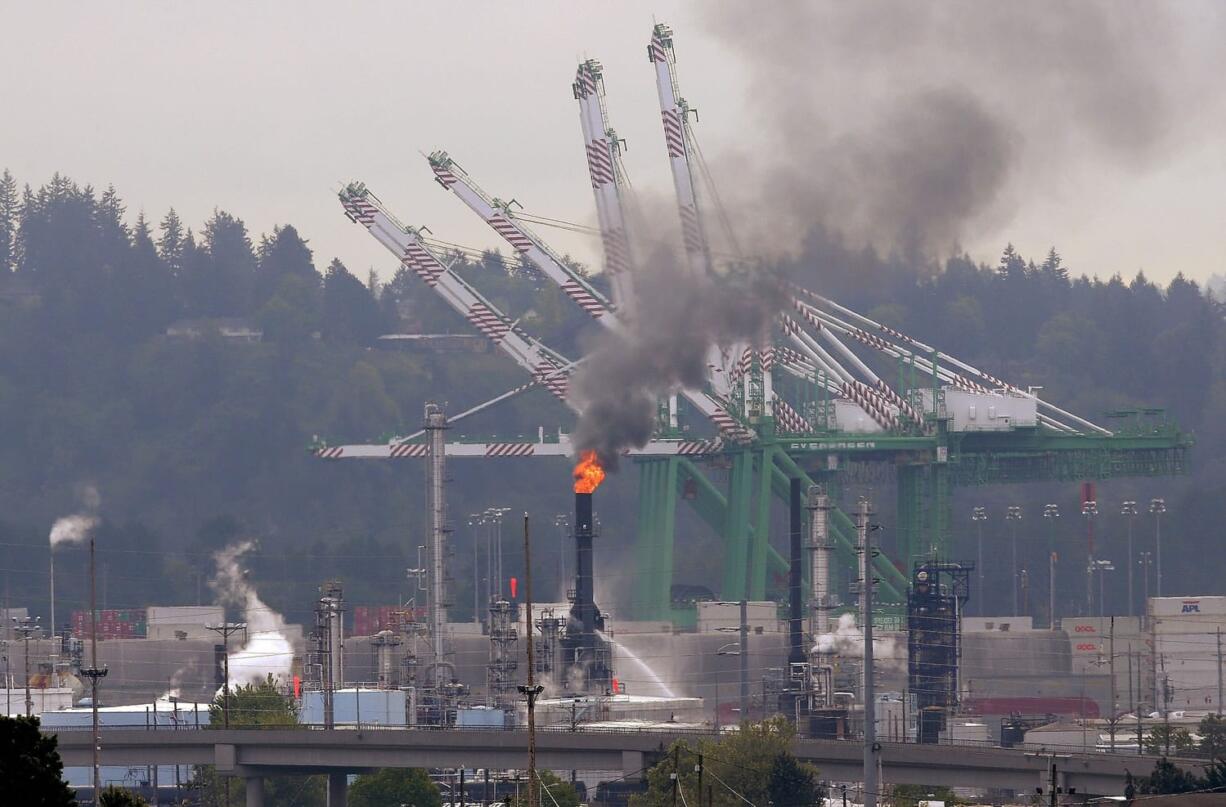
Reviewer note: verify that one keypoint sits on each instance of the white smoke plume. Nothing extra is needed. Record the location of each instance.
(267, 650)
(72, 529)
(75, 528)
(847, 641)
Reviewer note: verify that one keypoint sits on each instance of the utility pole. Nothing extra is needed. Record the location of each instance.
(26, 627)
(225, 630)
(1219, 673)
(1111, 667)
(1013, 515)
(1051, 589)
(1133, 706)
(676, 774)
(93, 672)
(865, 547)
(1145, 561)
(698, 770)
(533, 689)
(744, 660)
(1129, 509)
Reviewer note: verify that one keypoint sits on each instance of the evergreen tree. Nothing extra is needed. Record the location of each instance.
(220, 286)
(1053, 266)
(1012, 265)
(9, 211)
(350, 312)
(283, 254)
(171, 242)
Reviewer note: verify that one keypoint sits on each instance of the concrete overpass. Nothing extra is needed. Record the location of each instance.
(253, 754)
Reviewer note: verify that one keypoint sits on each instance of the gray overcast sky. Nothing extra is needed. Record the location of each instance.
(264, 108)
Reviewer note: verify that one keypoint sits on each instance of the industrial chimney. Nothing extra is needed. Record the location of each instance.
(586, 653)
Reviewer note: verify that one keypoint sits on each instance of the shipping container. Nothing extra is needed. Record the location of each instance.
(1187, 607)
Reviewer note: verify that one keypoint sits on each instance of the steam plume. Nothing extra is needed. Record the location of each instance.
(904, 125)
(678, 318)
(267, 650)
(72, 529)
(847, 641)
(75, 528)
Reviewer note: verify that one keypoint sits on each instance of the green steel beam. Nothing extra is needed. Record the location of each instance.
(762, 525)
(736, 527)
(893, 581)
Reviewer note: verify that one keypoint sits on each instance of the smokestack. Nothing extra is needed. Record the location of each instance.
(796, 651)
(584, 609)
(585, 649)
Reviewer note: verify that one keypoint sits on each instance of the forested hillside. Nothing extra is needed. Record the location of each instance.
(124, 366)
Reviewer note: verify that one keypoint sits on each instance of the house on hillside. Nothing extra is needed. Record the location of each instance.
(233, 329)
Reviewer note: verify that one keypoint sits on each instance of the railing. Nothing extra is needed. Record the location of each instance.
(1123, 749)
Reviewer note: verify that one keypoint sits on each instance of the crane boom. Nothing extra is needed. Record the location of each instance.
(500, 217)
(602, 147)
(363, 207)
(561, 447)
(674, 113)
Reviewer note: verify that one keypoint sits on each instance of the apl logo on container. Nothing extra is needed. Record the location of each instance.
(1190, 607)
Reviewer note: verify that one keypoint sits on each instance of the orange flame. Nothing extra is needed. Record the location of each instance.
(588, 473)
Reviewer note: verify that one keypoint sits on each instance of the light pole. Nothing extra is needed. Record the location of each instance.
(476, 571)
(1013, 514)
(1129, 509)
(1147, 559)
(1051, 512)
(979, 515)
(27, 627)
(1089, 511)
(1102, 567)
(1158, 507)
(562, 522)
(225, 630)
(496, 514)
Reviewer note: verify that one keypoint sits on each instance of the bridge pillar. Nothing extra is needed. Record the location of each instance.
(338, 789)
(632, 766)
(255, 791)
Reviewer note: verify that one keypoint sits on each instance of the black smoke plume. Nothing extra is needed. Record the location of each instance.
(908, 126)
(665, 349)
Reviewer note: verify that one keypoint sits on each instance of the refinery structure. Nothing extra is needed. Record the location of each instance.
(784, 423)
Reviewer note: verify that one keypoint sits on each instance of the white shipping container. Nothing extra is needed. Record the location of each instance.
(1101, 626)
(1187, 607)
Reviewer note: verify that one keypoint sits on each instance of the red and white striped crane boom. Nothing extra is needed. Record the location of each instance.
(501, 218)
(546, 366)
(498, 215)
(603, 149)
(674, 113)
